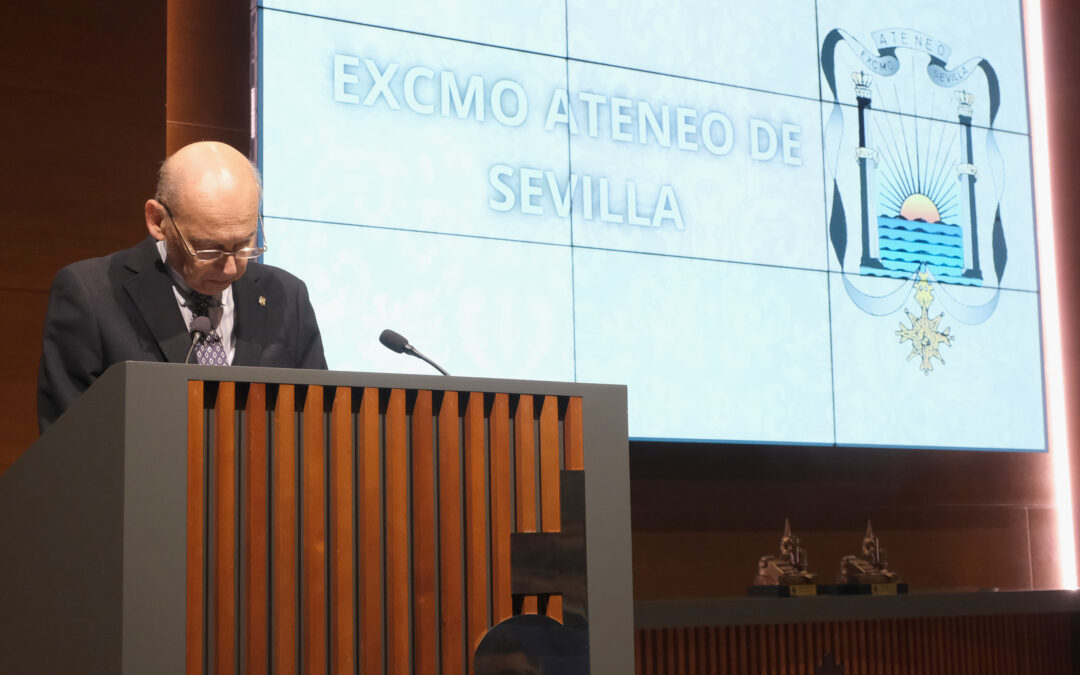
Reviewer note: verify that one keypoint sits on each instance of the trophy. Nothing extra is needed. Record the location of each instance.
(869, 571)
(787, 574)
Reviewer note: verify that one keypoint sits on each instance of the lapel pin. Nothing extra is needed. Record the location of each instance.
(262, 301)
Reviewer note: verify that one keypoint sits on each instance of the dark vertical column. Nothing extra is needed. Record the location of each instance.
(862, 96)
(968, 175)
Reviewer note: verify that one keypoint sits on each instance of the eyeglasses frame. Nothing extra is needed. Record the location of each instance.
(259, 250)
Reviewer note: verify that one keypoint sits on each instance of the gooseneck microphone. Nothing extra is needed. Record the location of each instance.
(200, 328)
(396, 342)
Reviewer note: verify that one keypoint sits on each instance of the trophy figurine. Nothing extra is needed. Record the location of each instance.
(789, 569)
(869, 568)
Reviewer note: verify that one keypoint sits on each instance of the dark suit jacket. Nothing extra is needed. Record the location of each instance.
(121, 308)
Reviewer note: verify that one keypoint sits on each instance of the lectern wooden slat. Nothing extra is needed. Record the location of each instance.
(196, 578)
(424, 535)
(256, 536)
(259, 520)
(451, 561)
(283, 528)
(342, 512)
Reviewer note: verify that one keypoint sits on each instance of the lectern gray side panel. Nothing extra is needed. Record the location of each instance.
(155, 541)
(61, 543)
(607, 532)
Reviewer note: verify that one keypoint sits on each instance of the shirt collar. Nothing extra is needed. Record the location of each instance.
(224, 298)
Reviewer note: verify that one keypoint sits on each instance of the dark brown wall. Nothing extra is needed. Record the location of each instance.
(95, 95)
(703, 515)
(208, 74)
(86, 90)
(83, 114)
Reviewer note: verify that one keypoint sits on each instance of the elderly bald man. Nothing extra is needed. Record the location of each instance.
(139, 304)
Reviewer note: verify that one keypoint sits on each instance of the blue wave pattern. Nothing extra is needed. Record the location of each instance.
(904, 246)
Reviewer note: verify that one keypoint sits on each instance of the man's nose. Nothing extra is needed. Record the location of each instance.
(230, 264)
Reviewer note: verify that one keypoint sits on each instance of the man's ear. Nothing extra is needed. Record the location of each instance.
(155, 217)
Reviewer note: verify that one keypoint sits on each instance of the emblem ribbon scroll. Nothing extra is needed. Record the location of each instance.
(883, 61)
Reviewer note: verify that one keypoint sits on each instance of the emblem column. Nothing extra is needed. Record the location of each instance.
(967, 172)
(864, 155)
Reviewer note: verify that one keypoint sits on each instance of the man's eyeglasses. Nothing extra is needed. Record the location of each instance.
(212, 254)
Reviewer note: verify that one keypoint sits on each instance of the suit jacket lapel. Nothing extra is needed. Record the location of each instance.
(251, 317)
(151, 290)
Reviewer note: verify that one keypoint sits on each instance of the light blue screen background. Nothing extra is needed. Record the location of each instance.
(520, 245)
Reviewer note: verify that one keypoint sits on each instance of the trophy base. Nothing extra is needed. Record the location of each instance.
(782, 591)
(898, 588)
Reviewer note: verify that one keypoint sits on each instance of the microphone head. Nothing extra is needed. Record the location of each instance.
(393, 341)
(201, 325)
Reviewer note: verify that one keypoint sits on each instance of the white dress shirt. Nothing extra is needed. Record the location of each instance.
(222, 317)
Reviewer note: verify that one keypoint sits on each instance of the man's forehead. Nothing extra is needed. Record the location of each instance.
(219, 203)
(224, 238)
(218, 209)
(216, 186)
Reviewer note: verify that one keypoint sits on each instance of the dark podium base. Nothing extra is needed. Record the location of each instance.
(864, 589)
(794, 591)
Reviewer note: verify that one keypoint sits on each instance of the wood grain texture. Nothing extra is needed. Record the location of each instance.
(476, 526)
(85, 219)
(525, 515)
(451, 548)
(397, 535)
(369, 532)
(57, 212)
(86, 130)
(573, 442)
(959, 645)
(208, 76)
(342, 567)
(499, 490)
(549, 465)
(525, 473)
(313, 532)
(255, 515)
(224, 642)
(285, 575)
(195, 646)
(425, 622)
(550, 512)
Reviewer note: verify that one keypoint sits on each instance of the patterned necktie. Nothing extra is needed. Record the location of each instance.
(210, 351)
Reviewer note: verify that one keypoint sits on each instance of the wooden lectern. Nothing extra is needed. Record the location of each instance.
(192, 519)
